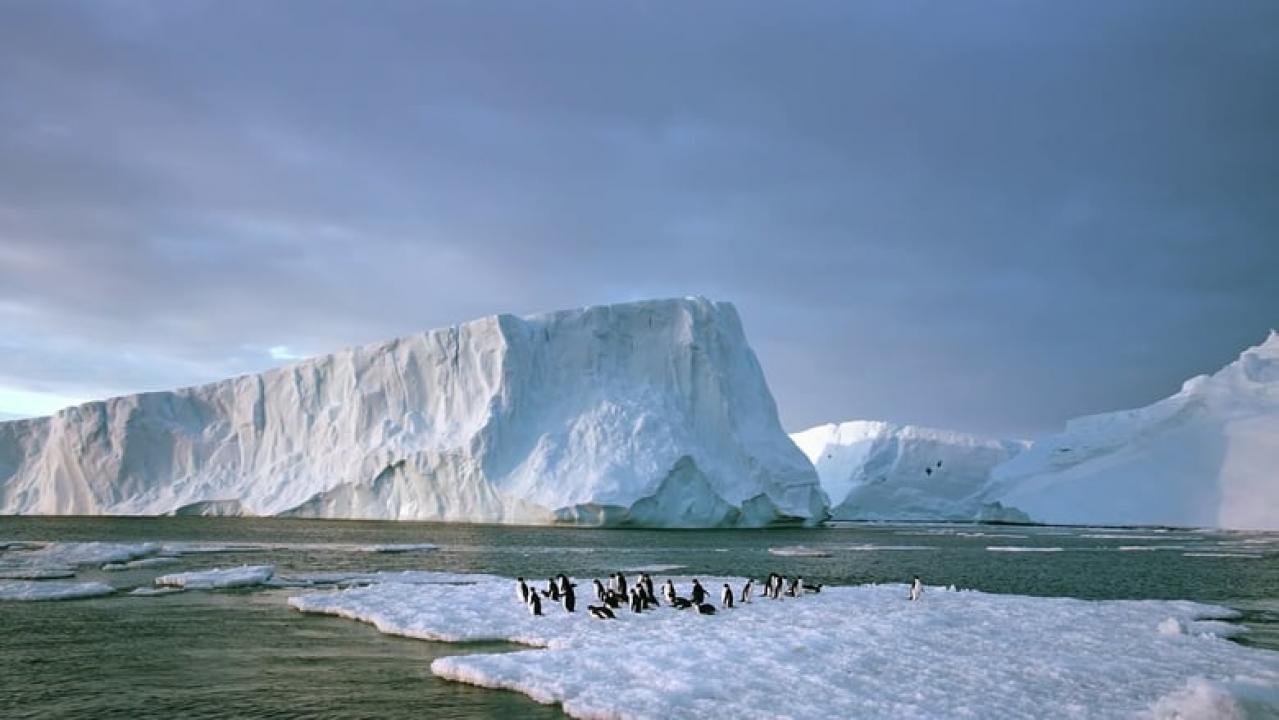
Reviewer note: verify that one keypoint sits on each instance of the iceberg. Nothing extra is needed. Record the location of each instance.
(885, 471)
(863, 652)
(1204, 457)
(651, 414)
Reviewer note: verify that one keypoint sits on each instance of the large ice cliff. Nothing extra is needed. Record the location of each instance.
(885, 471)
(647, 414)
(1206, 456)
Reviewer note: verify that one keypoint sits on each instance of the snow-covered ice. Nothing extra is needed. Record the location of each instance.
(642, 414)
(60, 559)
(885, 471)
(1204, 457)
(31, 590)
(847, 652)
(217, 579)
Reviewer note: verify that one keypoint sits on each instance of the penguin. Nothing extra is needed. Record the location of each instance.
(746, 590)
(534, 604)
(601, 612)
(797, 586)
(648, 587)
(621, 584)
(521, 591)
(612, 599)
(726, 597)
(637, 601)
(698, 595)
(777, 586)
(681, 603)
(569, 597)
(612, 582)
(668, 589)
(599, 590)
(916, 589)
(705, 609)
(813, 588)
(553, 590)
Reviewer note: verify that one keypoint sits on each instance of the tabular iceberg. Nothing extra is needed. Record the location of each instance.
(884, 471)
(650, 414)
(1207, 456)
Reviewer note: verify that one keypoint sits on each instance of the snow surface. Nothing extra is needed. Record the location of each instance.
(862, 652)
(218, 579)
(646, 414)
(884, 471)
(1207, 456)
(31, 590)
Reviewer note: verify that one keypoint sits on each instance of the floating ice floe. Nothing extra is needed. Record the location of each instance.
(798, 551)
(403, 577)
(861, 652)
(155, 591)
(35, 573)
(218, 579)
(30, 590)
(144, 563)
(1020, 549)
(60, 559)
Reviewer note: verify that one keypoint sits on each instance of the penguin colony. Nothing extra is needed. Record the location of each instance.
(641, 596)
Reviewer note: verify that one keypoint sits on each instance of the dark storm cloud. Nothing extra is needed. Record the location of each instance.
(988, 216)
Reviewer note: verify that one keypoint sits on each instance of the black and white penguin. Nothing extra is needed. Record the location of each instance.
(746, 590)
(612, 599)
(552, 590)
(521, 590)
(698, 595)
(612, 582)
(790, 588)
(726, 597)
(916, 589)
(777, 587)
(681, 603)
(637, 601)
(567, 595)
(647, 582)
(815, 588)
(621, 585)
(601, 612)
(668, 589)
(534, 604)
(599, 590)
(706, 609)
(798, 586)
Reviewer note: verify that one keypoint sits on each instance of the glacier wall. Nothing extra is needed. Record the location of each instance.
(651, 413)
(1207, 456)
(885, 471)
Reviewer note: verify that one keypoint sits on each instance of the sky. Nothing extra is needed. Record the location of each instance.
(985, 216)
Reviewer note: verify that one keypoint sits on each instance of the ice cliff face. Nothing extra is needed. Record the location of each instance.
(650, 414)
(1207, 456)
(882, 471)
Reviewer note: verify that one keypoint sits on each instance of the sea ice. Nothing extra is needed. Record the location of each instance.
(861, 652)
(45, 590)
(217, 579)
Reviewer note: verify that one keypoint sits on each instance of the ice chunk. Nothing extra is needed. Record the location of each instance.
(141, 564)
(243, 576)
(46, 590)
(862, 652)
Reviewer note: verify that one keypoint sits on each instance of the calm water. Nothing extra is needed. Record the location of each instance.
(245, 653)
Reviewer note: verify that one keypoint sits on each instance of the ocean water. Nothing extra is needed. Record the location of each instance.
(244, 653)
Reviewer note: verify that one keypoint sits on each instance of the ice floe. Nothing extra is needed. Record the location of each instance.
(1021, 549)
(847, 652)
(47, 590)
(144, 563)
(798, 551)
(218, 579)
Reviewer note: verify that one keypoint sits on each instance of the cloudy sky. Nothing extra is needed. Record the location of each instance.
(990, 216)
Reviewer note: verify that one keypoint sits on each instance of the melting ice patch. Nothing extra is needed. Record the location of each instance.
(45, 590)
(798, 551)
(217, 579)
(846, 652)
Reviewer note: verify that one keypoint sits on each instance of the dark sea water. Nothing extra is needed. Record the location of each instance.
(244, 653)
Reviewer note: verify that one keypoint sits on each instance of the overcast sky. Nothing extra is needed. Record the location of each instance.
(987, 216)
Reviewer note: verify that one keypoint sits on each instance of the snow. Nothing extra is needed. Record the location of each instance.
(31, 590)
(218, 579)
(644, 414)
(862, 652)
(1204, 457)
(884, 471)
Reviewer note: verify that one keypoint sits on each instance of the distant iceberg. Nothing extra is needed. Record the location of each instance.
(1207, 456)
(651, 414)
(885, 471)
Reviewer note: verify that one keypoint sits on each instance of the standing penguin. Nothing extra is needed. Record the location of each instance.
(599, 590)
(521, 590)
(726, 597)
(552, 590)
(566, 593)
(790, 589)
(534, 604)
(916, 589)
(698, 595)
(637, 601)
(647, 582)
(668, 589)
(621, 584)
(777, 586)
(799, 586)
(746, 590)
